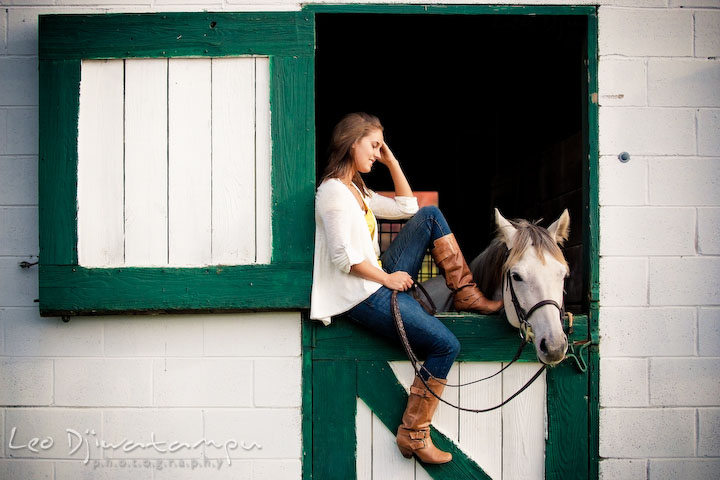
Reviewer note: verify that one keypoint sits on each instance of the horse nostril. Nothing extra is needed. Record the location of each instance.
(543, 346)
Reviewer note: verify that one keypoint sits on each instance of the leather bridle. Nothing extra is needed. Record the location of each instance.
(526, 336)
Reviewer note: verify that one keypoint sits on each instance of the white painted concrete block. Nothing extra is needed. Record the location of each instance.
(625, 469)
(707, 33)
(684, 381)
(19, 78)
(28, 2)
(19, 131)
(647, 432)
(18, 286)
(709, 332)
(23, 26)
(623, 281)
(624, 382)
(693, 3)
(708, 127)
(709, 434)
(278, 382)
(163, 335)
(685, 181)
(207, 469)
(645, 32)
(708, 231)
(100, 469)
(2, 431)
(184, 2)
(647, 131)
(25, 469)
(19, 232)
(273, 334)
(61, 425)
(623, 183)
(683, 82)
(647, 332)
(277, 430)
(3, 34)
(684, 468)
(276, 469)
(103, 382)
(164, 434)
(18, 180)
(622, 82)
(684, 280)
(25, 381)
(647, 231)
(29, 334)
(202, 382)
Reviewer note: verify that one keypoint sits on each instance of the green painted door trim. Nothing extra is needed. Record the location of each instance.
(288, 39)
(572, 447)
(338, 379)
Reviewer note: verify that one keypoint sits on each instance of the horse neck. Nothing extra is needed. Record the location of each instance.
(487, 269)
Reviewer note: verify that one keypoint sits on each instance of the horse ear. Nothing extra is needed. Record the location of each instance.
(560, 229)
(505, 228)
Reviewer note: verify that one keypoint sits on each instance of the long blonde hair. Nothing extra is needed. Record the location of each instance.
(350, 129)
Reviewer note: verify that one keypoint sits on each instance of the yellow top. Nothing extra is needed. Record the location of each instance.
(371, 223)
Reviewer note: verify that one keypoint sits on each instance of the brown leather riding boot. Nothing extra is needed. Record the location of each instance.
(458, 277)
(413, 436)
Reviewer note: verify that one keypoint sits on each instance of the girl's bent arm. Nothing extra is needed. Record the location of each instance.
(394, 281)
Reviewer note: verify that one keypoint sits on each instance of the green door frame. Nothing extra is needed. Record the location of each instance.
(338, 361)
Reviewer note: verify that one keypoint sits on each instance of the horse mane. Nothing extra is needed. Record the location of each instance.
(489, 267)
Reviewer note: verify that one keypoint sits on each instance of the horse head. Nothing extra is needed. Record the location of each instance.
(535, 270)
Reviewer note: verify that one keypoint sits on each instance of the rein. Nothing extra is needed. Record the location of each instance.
(526, 336)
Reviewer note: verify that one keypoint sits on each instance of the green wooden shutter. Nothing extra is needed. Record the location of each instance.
(287, 38)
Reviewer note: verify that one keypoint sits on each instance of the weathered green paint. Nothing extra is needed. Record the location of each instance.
(334, 408)
(175, 34)
(378, 387)
(288, 37)
(346, 343)
(594, 252)
(307, 396)
(67, 289)
(484, 338)
(59, 101)
(453, 9)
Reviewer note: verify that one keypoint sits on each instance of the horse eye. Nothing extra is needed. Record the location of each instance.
(517, 277)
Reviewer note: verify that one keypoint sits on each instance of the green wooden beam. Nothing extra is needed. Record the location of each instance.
(72, 290)
(175, 34)
(378, 387)
(451, 9)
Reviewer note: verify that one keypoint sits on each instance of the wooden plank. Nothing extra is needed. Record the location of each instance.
(293, 154)
(483, 338)
(70, 290)
(388, 462)
(175, 34)
(452, 9)
(364, 440)
(233, 161)
(567, 406)
(57, 170)
(481, 433)
(523, 422)
(189, 162)
(308, 329)
(334, 400)
(100, 164)
(380, 390)
(146, 155)
(263, 162)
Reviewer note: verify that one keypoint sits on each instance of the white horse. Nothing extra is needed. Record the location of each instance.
(526, 258)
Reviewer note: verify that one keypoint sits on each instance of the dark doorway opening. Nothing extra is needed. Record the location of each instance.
(488, 110)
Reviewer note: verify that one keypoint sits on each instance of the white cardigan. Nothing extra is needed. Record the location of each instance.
(342, 240)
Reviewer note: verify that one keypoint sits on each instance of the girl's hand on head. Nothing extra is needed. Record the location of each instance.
(386, 156)
(400, 281)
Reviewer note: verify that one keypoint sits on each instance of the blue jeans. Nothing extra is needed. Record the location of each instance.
(428, 336)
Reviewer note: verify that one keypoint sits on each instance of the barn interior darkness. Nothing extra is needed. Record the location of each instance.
(488, 110)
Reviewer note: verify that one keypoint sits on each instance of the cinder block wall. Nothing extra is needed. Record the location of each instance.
(188, 378)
